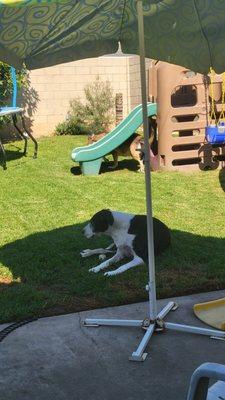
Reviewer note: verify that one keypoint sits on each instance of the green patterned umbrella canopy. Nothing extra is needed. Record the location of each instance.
(41, 33)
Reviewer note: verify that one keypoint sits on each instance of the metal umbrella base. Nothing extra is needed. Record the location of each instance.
(158, 325)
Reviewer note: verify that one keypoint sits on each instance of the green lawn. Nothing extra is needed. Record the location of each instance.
(44, 207)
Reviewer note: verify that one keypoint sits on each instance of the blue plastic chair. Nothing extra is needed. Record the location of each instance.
(199, 386)
(16, 112)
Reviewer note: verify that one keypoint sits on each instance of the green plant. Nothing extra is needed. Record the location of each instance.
(95, 116)
(6, 81)
(71, 127)
(6, 87)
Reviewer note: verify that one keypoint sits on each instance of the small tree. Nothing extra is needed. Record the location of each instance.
(95, 116)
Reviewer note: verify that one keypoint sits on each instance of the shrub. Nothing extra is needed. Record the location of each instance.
(6, 87)
(95, 116)
(6, 82)
(71, 127)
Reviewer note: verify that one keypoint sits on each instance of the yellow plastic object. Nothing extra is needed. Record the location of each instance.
(212, 313)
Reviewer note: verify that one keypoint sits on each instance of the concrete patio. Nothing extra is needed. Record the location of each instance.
(58, 359)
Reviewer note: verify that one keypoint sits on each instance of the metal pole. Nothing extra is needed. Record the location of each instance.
(151, 258)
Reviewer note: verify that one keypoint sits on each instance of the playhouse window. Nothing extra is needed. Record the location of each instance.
(184, 96)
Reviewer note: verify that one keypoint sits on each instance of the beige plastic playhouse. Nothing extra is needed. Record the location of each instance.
(184, 100)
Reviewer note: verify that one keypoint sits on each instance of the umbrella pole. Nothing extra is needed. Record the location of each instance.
(151, 258)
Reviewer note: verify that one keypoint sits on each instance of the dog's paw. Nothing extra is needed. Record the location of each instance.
(102, 257)
(110, 273)
(94, 269)
(85, 253)
(113, 167)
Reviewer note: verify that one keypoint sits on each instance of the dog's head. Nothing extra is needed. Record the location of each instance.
(94, 138)
(99, 223)
(91, 138)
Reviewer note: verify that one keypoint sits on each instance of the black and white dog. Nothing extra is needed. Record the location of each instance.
(129, 234)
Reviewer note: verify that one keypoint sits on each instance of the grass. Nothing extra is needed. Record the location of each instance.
(46, 202)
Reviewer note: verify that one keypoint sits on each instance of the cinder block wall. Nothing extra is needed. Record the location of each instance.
(56, 86)
(134, 82)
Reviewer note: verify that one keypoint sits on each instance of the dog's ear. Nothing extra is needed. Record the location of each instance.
(108, 216)
(91, 138)
(102, 220)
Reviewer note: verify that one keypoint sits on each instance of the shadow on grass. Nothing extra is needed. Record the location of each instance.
(49, 277)
(75, 171)
(222, 178)
(12, 154)
(130, 165)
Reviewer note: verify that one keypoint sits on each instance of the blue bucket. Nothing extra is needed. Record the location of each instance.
(213, 134)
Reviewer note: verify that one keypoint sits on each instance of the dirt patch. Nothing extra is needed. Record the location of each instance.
(5, 280)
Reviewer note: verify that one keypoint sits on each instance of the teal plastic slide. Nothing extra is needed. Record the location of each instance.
(90, 157)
